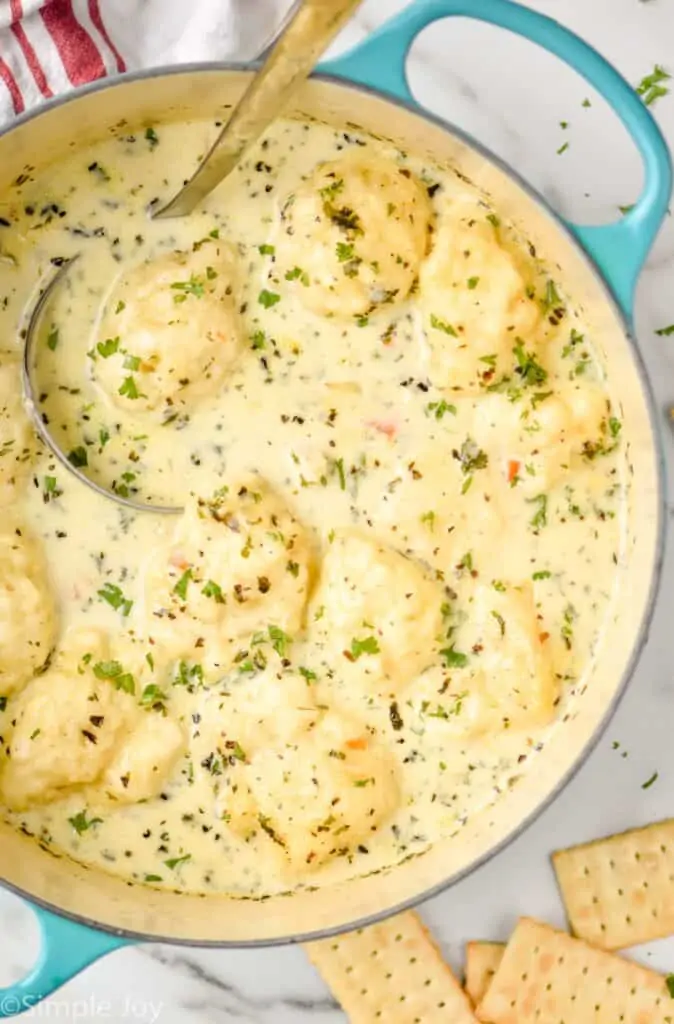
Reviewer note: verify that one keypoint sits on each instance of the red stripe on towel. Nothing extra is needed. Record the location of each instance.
(97, 18)
(29, 53)
(12, 86)
(78, 52)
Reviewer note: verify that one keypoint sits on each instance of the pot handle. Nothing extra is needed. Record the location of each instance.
(618, 249)
(66, 948)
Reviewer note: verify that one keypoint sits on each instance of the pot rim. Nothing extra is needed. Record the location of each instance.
(656, 572)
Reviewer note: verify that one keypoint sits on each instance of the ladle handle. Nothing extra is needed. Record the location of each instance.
(292, 58)
(618, 249)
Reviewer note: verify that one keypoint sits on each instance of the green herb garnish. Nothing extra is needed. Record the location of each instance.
(368, 645)
(128, 388)
(82, 824)
(77, 457)
(181, 586)
(650, 87)
(442, 325)
(113, 595)
(268, 299)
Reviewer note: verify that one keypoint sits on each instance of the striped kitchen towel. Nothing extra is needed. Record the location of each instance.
(50, 46)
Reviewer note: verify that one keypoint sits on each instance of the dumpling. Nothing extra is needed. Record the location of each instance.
(239, 562)
(68, 724)
(353, 235)
(170, 332)
(16, 448)
(538, 442)
(308, 781)
(314, 797)
(144, 761)
(473, 294)
(376, 612)
(502, 676)
(27, 614)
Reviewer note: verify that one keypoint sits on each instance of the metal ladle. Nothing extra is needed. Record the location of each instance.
(304, 38)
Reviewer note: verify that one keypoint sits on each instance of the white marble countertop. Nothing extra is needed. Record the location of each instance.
(512, 97)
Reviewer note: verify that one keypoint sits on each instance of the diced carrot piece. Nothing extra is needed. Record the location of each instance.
(387, 427)
(514, 466)
(177, 560)
(359, 744)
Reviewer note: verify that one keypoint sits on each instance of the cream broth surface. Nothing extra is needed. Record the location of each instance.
(461, 522)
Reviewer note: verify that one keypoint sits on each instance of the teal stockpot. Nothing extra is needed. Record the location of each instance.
(84, 913)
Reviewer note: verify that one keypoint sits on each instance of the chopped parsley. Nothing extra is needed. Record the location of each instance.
(280, 641)
(569, 617)
(193, 286)
(152, 696)
(453, 658)
(77, 457)
(113, 671)
(669, 981)
(446, 713)
(51, 490)
(266, 250)
(650, 88)
(131, 362)
(368, 645)
(53, 338)
(121, 305)
(128, 388)
(188, 675)
(114, 596)
(338, 465)
(647, 785)
(540, 516)
(108, 347)
(429, 519)
(329, 192)
(152, 137)
(528, 370)
(214, 590)
(345, 252)
(173, 862)
(438, 409)
(473, 283)
(307, 673)
(551, 298)
(442, 325)
(107, 669)
(500, 620)
(471, 458)
(82, 824)
(665, 332)
(258, 339)
(268, 299)
(542, 574)
(297, 274)
(181, 586)
(563, 148)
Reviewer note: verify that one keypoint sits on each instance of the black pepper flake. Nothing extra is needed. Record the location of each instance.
(395, 716)
(89, 736)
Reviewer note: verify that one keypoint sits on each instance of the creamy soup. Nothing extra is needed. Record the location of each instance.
(401, 487)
